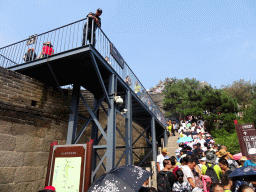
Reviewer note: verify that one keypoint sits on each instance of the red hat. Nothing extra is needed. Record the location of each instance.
(50, 187)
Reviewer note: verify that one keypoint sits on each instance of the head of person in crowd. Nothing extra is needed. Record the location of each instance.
(245, 188)
(252, 154)
(223, 163)
(210, 157)
(202, 161)
(198, 145)
(242, 160)
(180, 176)
(216, 188)
(226, 182)
(167, 164)
(184, 161)
(164, 152)
(215, 148)
(173, 160)
(191, 163)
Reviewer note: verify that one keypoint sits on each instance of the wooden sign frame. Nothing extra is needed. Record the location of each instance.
(68, 153)
(246, 134)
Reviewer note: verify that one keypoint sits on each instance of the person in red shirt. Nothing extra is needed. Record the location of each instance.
(47, 50)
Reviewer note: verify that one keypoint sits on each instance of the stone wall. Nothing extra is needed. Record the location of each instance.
(33, 115)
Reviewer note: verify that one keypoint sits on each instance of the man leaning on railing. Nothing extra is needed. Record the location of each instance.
(97, 22)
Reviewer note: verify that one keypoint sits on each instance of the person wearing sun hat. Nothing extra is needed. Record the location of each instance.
(252, 155)
(242, 160)
(210, 161)
(161, 158)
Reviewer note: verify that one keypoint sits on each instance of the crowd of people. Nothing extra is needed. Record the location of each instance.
(199, 163)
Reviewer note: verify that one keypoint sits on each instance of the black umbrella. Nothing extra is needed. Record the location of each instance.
(244, 174)
(127, 178)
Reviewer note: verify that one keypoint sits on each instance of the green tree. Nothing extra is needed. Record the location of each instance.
(187, 97)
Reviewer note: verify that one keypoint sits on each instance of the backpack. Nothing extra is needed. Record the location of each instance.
(163, 184)
(232, 166)
(211, 173)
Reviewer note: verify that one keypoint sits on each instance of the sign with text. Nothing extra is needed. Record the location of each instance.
(67, 168)
(247, 137)
(119, 59)
(32, 39)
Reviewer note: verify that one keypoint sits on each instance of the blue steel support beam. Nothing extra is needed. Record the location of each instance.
(153, 134)
(73, 117)
(94, 133)
(128, 129)
(100, 79)
(165, 138)
(111, 130)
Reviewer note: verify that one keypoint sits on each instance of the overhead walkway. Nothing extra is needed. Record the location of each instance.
(86, 67)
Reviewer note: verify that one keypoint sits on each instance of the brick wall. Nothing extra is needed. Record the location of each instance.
(32, 115)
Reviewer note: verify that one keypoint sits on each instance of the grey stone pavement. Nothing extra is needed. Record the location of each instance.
(172, 145)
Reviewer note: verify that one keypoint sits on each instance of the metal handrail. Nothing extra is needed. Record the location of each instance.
(71, 33)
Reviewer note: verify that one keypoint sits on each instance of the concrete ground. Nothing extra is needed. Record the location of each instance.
(172, 144)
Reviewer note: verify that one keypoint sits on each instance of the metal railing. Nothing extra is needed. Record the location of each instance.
(71, 36)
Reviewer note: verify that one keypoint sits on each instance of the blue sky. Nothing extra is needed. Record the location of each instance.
(210, 40)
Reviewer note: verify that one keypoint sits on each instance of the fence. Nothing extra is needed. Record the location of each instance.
(71, 36)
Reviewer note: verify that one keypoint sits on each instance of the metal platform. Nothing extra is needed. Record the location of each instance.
(85, 66)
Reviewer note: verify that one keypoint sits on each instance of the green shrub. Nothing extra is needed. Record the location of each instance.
(229, 140)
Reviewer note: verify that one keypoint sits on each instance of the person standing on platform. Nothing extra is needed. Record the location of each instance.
(47, 50)
(97, 23)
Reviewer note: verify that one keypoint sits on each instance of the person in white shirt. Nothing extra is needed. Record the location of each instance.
(187, 170)
(161, 158)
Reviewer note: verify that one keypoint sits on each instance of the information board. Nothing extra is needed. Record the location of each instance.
(247, 137)
(116, 55)
(67, 169)
(32, 39)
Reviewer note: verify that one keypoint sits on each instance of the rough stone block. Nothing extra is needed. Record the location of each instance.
(28, 144)
(11, 159)
(28, 174)
(24, 186)
(60, 134)
(5, 127)
(41, 132)
(38, 185)
(7, 175)
(36, 159)
(7, 142)
(45, 147)
(19, 129)
(7, 187)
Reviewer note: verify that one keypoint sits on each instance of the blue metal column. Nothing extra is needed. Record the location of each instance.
(94, 134)
(153, 134)
(111, 129)
(165, 138)
(128, 129)
(73, 117)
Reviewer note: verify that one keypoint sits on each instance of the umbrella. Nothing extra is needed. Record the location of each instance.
(184, 139)
(247, 173)
(237, 156)
(126, 178)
